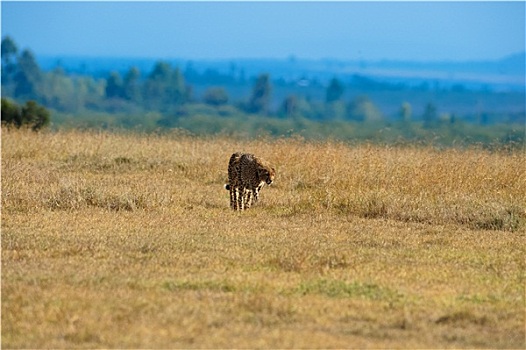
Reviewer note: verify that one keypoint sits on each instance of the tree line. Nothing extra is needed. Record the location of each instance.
(163, 98)
(164, 89)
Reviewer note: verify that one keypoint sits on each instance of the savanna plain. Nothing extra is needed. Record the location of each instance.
(126, 240)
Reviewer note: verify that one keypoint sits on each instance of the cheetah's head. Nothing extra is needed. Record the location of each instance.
(266, 174)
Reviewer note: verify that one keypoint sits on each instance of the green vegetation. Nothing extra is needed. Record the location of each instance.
(165, 99)
(30, 115)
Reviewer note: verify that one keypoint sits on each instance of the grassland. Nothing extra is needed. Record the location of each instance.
(127, 241)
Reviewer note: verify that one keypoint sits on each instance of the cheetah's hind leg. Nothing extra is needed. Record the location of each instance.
(240, 203)
(231, 192)
(249, 198)
(237, 199)
(233, 199)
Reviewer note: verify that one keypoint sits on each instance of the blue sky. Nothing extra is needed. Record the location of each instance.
(313, 30)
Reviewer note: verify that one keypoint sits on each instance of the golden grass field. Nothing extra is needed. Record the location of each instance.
(127, 241)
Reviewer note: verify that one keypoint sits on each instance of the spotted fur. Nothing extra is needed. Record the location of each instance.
(247, 174)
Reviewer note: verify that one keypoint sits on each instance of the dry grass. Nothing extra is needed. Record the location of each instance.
(121, 241)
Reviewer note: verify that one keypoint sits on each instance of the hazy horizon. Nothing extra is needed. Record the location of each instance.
(277, 59)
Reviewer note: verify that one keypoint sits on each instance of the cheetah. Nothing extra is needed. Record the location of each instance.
(247, 174)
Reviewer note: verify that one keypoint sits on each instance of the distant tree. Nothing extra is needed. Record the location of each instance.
(215, 96)
(114, 87)
(363, 109)
(11, 113)
(58, 90)
(87, 92)
(430, 116)
(260, 99)
(31, 114)
(9, 49)
(405, 112)
(290, 105)
(35, 116)
(9, 52)
(334, 91)
(156, 86)
(132, 85)
(178, 92)
(28, 76)
(165, 86)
